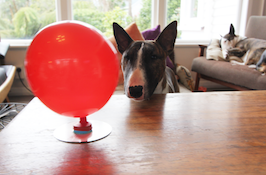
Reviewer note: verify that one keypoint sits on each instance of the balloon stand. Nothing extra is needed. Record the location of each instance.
(83, 132)
(83, 127)
(52, 65)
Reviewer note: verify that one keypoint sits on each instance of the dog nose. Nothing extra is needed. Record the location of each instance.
(136, 91)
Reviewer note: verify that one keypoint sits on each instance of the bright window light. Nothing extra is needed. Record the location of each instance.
(197, 19)
(102, 13)
(23, 19)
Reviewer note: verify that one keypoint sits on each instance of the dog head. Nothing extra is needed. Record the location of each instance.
(229, 41)
(143, 62)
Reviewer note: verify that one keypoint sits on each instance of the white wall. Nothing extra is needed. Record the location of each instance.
(16, 56)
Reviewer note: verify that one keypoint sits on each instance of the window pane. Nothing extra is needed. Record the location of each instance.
(203, 19)
(102, 13)
(21, 19)
(173, 13)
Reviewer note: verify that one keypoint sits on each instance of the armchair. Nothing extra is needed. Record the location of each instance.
(237, 77)
(7, 75)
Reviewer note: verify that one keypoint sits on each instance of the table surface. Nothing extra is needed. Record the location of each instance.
(196, 133)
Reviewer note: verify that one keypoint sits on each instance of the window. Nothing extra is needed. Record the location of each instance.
(197, 19)
(102, 13)
(204, 19)
(21, 19)
(173, 13)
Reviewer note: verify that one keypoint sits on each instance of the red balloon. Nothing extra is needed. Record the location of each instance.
(72, 68)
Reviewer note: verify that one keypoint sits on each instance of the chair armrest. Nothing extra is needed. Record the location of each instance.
(6, 86)
(201, 50)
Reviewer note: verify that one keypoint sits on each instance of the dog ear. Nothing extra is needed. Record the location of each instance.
(123, 40)
(232, 30)
(167, 38)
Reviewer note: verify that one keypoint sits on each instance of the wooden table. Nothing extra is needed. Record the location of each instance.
(196, 133)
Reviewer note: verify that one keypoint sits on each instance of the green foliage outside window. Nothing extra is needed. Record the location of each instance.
(21, 19)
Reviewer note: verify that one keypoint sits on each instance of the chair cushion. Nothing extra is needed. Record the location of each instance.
(2, 75)
(236, 74)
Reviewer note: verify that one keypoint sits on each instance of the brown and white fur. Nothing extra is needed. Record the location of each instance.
(244, 51)
(144, 63)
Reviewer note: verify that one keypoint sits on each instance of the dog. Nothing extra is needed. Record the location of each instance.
(144, 63)
(261, 65)
(243, 51)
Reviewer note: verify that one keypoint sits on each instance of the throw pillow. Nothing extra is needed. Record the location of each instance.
(214, 51)
(185, 77)
(151, 34)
